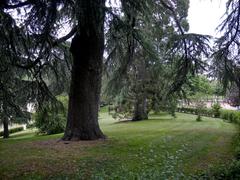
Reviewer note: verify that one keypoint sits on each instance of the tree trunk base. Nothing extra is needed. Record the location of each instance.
(140, 118)
(83, 135)
(5, 136)
(140, 109)
(5, 128)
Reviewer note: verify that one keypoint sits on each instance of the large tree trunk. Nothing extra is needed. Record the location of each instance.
(140, 109)
(5, 127)
(87, 49)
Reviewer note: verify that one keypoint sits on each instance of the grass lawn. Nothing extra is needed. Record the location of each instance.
(159, 148)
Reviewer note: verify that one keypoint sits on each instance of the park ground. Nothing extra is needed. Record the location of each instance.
(161, 147)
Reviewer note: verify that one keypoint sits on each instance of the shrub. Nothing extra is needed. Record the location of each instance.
(30, 125)
(224, 114)
(13, 130)
(50, 119)
(17, 129)
(229, 115)
(216, 110)
(232, 117)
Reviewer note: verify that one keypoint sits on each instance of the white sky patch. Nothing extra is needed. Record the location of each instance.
(204, 16)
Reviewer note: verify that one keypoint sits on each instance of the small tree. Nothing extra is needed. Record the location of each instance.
(200, 105)
(216, 110)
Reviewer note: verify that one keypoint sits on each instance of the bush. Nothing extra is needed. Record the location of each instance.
(13, 130)
(229, 115)
(224, 114)
(52, 120)
(216, 110)
(31, 125)
(202, 111)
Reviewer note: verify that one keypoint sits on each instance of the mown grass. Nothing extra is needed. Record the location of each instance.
(159, 148)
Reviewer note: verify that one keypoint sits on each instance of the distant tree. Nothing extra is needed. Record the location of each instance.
(199, 85)
(158, 68)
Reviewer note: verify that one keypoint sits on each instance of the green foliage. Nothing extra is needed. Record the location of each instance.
(64, 100)
(228, 115)
(30, 125)
(216, 110)
(200, 87)
(199, 109)
(218, 88)
(170, 106)
(200, 84)
(225, 62)
(13, 130)
(52, 120)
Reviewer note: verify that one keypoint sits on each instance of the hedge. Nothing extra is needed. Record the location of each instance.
(13, 130)
(229, 115)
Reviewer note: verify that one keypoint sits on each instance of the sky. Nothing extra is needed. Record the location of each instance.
(204, 16)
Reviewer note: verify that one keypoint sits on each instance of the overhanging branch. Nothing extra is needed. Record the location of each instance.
(64, 38)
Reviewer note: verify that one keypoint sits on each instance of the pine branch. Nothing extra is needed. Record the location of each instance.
(65, 38)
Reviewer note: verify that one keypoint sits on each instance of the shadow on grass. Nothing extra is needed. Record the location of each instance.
(144, 120)
(23, 134)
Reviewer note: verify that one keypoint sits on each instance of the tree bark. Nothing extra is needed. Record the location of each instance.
(140, 109)
(5, 127)
(87, 49)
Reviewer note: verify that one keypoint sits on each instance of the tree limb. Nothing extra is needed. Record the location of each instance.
(64, 38)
